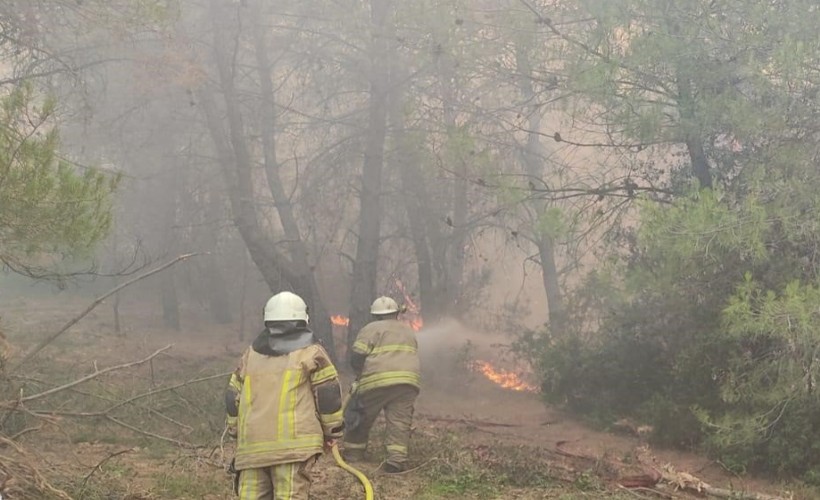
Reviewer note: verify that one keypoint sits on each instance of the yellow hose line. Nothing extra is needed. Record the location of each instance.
(368, 488)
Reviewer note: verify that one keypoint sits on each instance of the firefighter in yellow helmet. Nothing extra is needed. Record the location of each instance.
(284, 405)
(386, 363)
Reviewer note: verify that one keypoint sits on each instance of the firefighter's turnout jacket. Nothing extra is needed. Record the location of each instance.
(284, 399)
(385, 353)
(386, 362)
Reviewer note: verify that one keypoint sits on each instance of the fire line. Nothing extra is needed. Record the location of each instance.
(503, 378)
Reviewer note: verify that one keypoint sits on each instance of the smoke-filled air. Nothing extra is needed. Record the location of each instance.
(409, 250)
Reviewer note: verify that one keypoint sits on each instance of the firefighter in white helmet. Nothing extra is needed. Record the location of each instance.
(386, 363)
(284, 405)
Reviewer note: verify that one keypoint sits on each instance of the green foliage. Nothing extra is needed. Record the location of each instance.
(551, 223)
(48, 209)
(708, 326)
(712, 338)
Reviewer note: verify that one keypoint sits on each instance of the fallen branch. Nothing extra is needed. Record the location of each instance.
(559, 450)
(688, 482)
(100, 464)
(466, 421)
(636, 492)
(18, 477)
(51, 338)
(130, 427)
(683, 481)
(95, 374)
(25, 431)
(120, 404)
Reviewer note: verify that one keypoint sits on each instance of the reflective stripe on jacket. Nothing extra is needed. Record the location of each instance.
(279, 421)
(391, 354)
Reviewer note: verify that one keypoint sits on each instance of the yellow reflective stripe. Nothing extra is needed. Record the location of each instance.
(323, 375)
(393, 348)
(328, 419)
(283, 480)
(244, 409)
(234, 383)
(355, 446)
(382, 379)
(291, 470)
(312, 442)
(361, 347)
(292, 405)
(397, 448)
(254, 493)
(283, 401)
(250, 480)
(300, 442)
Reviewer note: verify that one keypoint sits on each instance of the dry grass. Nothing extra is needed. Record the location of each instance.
(61, 456)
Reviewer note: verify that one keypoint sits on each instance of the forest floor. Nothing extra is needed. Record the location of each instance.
(472, 438)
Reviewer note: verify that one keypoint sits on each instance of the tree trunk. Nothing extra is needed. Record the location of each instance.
(278, 270)
(533, 158)
(366, 264)
(170, 301)
(454, 248)
(686, 109)
(689, 124)
(168, 288)
(219, 301)
(284, 208)
(115, 258)
(416, 200)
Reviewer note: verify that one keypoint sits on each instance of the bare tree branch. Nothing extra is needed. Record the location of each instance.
(88, 377)
(48, 340)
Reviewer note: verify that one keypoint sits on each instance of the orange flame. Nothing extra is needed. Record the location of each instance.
(339, 320)
(504, 378)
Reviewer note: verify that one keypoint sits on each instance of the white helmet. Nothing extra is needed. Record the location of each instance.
(286, 306)
(384, 305)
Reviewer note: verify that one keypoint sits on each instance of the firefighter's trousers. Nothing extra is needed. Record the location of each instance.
(397, 401)
(289, 481)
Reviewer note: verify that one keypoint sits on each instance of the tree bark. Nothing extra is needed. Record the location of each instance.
(366, 263)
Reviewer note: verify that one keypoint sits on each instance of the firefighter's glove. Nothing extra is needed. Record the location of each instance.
(353, 413)
(230, 427)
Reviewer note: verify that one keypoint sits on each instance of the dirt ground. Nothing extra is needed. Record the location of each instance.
(472, 439)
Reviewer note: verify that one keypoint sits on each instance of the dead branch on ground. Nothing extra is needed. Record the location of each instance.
(466, 421)
(652, 476)
(97, 372)
(51, 338)
(133, 399)
(100, 464)
(683, 481)
(19, 478)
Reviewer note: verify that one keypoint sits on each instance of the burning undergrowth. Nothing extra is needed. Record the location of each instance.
(452, 354)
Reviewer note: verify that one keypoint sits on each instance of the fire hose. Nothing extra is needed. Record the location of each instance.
(351, 421)
(368, 488)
